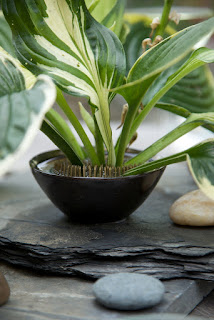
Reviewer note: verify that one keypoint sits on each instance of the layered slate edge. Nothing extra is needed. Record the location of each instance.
(94, 265)
(103, 249)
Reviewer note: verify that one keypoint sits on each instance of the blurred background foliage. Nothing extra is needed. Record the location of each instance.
(149, 3)
(192, 11)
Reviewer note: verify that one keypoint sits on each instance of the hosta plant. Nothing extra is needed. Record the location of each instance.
(88, 49)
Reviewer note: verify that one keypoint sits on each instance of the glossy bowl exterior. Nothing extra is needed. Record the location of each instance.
(94, 200)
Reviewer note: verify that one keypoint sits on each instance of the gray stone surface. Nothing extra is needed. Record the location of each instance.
(34, 234)
(165, 317)
(42, 296)
(205, 308)
(8, 315)
(128, 291)
(37, 296)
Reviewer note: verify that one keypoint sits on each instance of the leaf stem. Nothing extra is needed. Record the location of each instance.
(58, 140)
(164, 18)
(188, 67)
(99, 143)
(156, 164)
(93, 5)
(77, 126)
(102, 116)
(180, 112)
(124, 138)
(62, 127)
(162, 143)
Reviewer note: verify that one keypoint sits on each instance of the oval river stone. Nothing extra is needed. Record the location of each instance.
(193, 209)
(128, 291)
(4, 290)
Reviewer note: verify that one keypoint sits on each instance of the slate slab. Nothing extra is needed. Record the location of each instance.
(23, 316)
(36, 297)
(35, 234)
(42, 296)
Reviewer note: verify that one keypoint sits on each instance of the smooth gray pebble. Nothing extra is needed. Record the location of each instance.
(128, 291)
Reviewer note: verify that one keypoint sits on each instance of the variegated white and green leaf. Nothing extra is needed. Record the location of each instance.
(6, 35)
(146, 70)
(201, 164)
(193, 121)
(110, 13)
(199, 58)
(61, 39)
(180, 111)
(114, 19)
(100, 8)
(21, 117)
(21, 110)
(161, 57)
(28, 78)
(195, 92)
(91, 5)
(200, 159)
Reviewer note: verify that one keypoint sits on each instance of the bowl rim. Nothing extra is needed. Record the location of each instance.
(51, 154)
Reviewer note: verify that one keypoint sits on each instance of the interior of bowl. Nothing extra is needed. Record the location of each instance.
(55, 163)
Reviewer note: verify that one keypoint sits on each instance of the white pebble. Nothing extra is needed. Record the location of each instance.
(193, 209)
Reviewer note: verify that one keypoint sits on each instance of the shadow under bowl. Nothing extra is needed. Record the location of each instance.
(90, 199)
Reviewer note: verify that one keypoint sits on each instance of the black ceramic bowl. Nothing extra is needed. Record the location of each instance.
(93, 200)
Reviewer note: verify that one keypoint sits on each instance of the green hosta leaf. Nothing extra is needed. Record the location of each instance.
(134, 94)
(202, 118)
(200, 159)
(197, 59)
(195, 92)
(61, 39)
(110, 13)
(87, 118)
(159, 58)
(114, 19)
(21, 110)
(180, 111)
(91, 5)
(193, 121)
(24, 101)
(50, 131)
(169, 51)
(201, 164)
(133, 45)
(6, 36)
(9, 82)
(140, 29)
(80, 57)
(101, 8)
(63, 129)
(124, 32)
